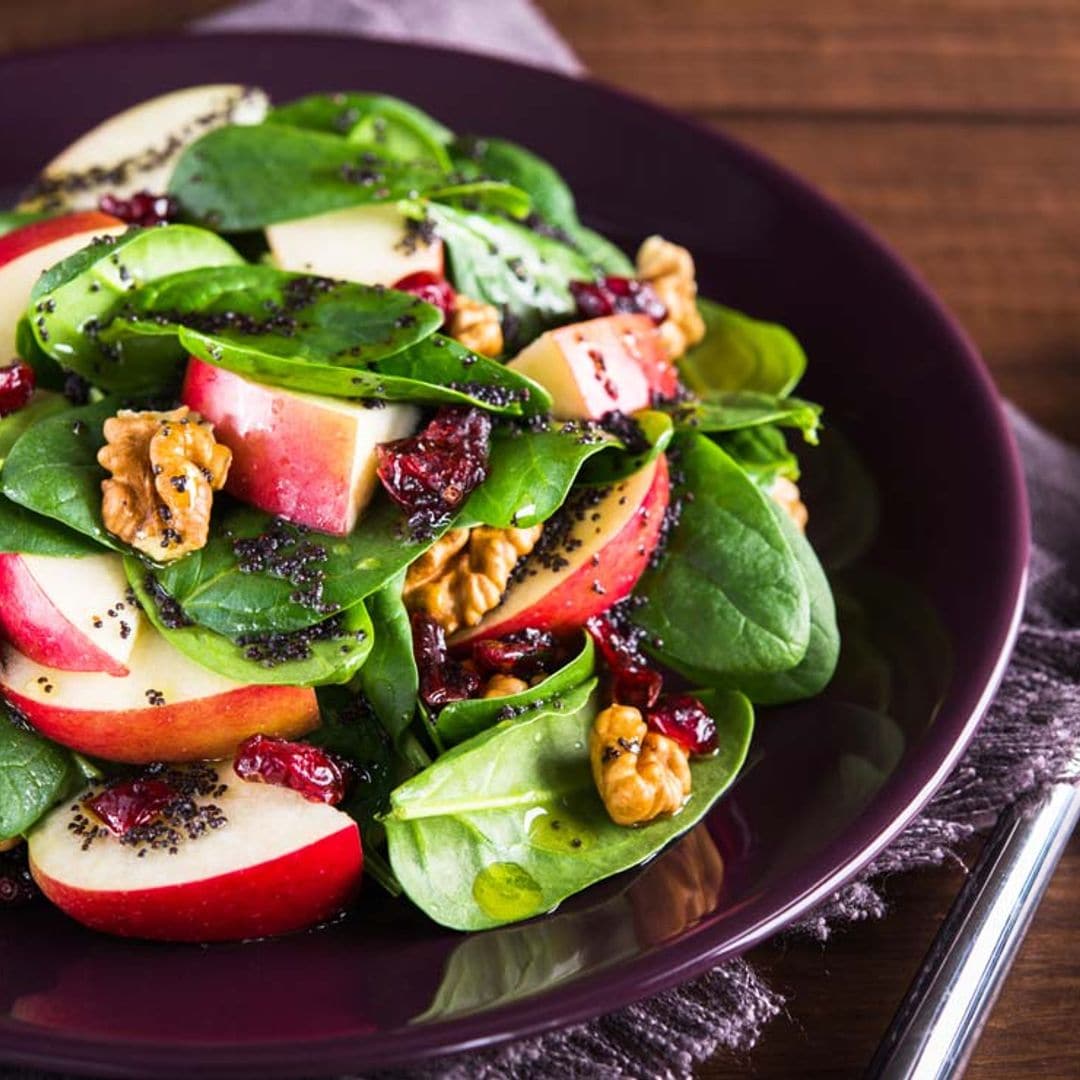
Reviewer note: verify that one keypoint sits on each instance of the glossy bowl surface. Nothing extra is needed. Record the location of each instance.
(917, 503)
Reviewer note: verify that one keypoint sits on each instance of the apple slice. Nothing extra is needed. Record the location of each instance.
(168, 708)
(251, 861)
(72, 614)
(28, 251)
(614, 363)
(136, 150)
(306, 458)
(368, 244)
(590, 558)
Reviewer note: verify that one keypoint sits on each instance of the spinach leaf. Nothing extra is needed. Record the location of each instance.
(387, 125)
(72, 300)
(238, 178)
(333, 660)
(53, 470)
(461, 720)
(761, 452)
(48, 374)
(509, 824)
(741, 353)
(24, 533)
(607, 469)
(601, 253)
(35, 774)
(321, 337)
(389, 679)
(214, 590)
(530, 474)
(812, 673)
(728, 598)
(523, 273)
(44, 403)
(738, 409)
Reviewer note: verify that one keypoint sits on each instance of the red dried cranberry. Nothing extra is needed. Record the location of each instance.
(617, 295)
(143, 208)
(429, 475)
(306, 769)
(431, 288)
(129, 803)
(524, 654)
(442, 679)
(686, 720)
(17, 382)
(633, 681)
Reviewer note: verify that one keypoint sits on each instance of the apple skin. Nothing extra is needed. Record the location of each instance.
(272, 898)
(359, 243)
(303, 457)
(603, 570)
(33, 623)
(25, 253)
(614, 363)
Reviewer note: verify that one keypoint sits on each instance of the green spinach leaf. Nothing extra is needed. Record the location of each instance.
(25, 533)
(738, 409)
(48, 374)
(35, 774)
(74, 299)
(728, 598)
(43, 404)
(741, 353)
(389, 679)
(530, 474)
(508, 824)
(52, 470)
(461, 720)
(332, 661)
(658, 431)
(761, 452)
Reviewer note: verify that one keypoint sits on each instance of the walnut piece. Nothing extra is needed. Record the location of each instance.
(669, 268)
(165, 469)
(476, 325)
(460, 579)
(640, 774)
(504, 686)
(786, 495)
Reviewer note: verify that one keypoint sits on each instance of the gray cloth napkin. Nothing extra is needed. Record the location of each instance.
(1025, 743)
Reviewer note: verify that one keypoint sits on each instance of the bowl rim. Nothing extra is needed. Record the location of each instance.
(665, 966)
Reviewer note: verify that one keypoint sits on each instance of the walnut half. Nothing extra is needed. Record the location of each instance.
(669, 268)
(165, 469)
(640, 774)
(476, 326)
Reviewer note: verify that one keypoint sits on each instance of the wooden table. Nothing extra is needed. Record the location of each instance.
(953, 126)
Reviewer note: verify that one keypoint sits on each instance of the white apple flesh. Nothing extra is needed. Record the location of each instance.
(367, 244)
(306, 458)
(137, 149)
(275, 863)
(167, 708)
(71, 614)
(595, 564)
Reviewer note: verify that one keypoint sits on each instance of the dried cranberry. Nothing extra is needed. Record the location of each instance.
(686, 720)
(431, 288)
(526, 653)
(306, 769)
(617, 295)
(429, 475)
(16, 386)
(442, 679)
(143, 208)
(129, 803)
(633, 681)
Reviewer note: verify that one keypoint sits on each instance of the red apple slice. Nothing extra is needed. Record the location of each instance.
(274, 863)
(306, 458)
(614, 363)
(596, 562)
(26, 252)
(72, 614)
(168, 708)
(136, 150)
(368, 244)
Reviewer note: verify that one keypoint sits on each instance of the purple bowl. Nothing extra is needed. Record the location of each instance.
(930, 573)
